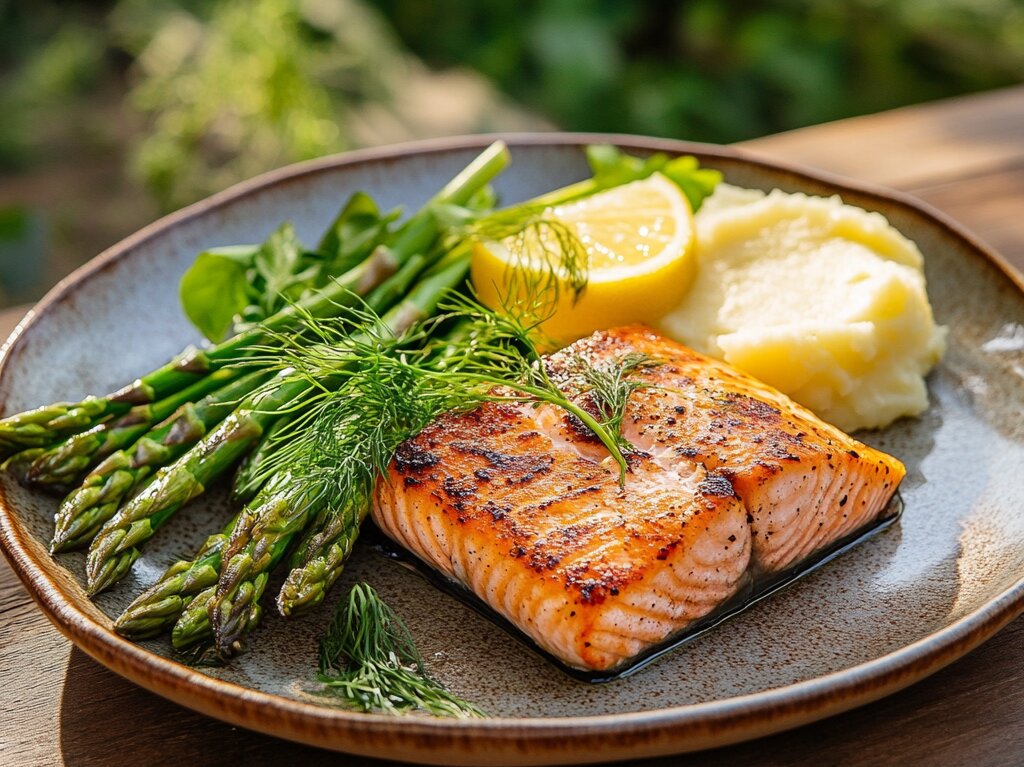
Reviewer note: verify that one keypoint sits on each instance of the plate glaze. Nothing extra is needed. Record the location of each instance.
(889, 612)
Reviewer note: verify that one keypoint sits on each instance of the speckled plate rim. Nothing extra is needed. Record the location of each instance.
(549, 740)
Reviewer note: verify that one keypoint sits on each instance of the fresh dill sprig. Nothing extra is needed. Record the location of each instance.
(547, 256)
(610, 386)
(369, 660)
(346, 432)
(392, 388)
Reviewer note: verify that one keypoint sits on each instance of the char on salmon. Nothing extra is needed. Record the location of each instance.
(728, 480)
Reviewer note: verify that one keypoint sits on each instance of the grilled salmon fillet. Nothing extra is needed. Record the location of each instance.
(730, 479)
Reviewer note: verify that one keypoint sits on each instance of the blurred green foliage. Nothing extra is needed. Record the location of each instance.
(196, 94)
(719, 70)
(53, 61)
(239, 86)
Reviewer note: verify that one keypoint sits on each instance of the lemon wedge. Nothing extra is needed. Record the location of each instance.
(639, 242)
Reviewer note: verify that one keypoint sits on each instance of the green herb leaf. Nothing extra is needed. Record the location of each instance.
(283, 272)
(369, 660)
(696, 182)
(357, 230)
(610, 385)
(215, 289)
(612, 167)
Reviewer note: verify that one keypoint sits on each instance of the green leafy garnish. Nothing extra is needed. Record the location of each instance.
(234, 287)
(352, 236)
(610, 386)
(215, 288)
(612, 167)
(368, 659)
(226, 286)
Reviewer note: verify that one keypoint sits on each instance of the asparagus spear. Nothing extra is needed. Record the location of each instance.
(117, 545)
(257, 544)
(87, 508)
(62, 465)
(249, 478)
(193, 625)
(261, 545)
(159, 607)
(46, 425)
(19, 463)
(326, 553)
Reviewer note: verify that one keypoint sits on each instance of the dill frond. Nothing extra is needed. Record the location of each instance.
(610, 386)
(547, 257)
(369, 660)
(384, 390)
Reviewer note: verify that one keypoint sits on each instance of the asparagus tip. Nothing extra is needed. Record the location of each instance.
(105, 573)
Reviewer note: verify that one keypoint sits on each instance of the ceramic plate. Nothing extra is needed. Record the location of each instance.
(887, 613)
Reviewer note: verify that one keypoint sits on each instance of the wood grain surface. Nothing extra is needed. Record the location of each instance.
(964, 156)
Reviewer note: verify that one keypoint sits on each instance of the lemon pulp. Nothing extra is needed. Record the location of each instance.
(638, 239)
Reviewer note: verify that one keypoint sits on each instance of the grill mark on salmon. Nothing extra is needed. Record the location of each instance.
(730, 480)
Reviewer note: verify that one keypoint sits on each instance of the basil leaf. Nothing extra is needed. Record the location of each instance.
(236, 287)
(216, 288)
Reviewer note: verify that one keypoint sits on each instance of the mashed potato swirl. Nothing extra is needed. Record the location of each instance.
(823, 300)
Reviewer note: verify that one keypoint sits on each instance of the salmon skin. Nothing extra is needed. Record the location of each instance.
(730, 482)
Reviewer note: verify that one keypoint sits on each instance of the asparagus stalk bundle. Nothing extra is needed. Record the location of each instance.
(45, 426)
(93, 512)
(118, 543)
(259, 537)
(158, 608)
(201, 603)
(64, 464)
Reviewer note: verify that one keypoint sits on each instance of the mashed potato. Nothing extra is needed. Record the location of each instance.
(822, 300)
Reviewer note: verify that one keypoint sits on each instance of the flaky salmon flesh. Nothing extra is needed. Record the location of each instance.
(730, 480)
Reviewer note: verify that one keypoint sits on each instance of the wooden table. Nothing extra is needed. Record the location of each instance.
(964, 156)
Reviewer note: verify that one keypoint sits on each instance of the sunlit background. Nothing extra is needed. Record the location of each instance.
(112, 113)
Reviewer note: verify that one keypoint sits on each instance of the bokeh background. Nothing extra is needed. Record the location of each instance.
(112, 113)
